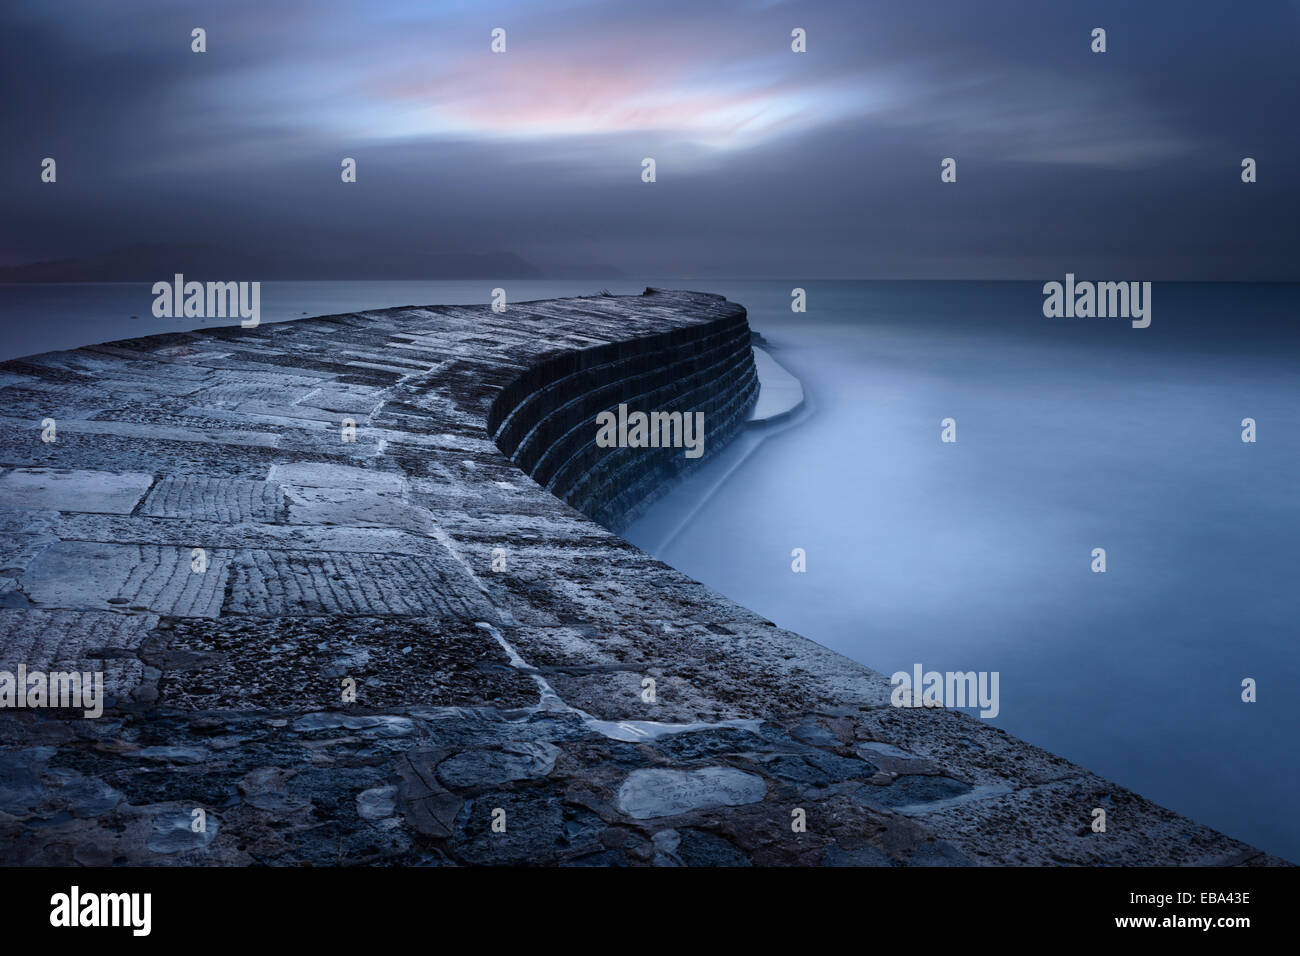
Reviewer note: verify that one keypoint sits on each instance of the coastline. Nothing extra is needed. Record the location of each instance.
(522, 688)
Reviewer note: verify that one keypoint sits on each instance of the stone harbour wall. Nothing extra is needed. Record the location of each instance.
(544, 421)
(339, 626)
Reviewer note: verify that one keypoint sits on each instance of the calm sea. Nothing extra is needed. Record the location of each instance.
(1072, 434)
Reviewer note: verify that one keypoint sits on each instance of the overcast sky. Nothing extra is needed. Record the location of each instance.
(1122, 165)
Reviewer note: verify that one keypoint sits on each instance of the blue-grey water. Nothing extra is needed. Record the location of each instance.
(1072, 434)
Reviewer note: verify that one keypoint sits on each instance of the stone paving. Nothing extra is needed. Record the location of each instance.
(499, 714)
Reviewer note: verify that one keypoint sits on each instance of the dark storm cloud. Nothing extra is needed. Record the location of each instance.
(769, 163)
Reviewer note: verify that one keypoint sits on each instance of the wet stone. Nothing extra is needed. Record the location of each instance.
(815, 735)
(85, 796)
(701, 848)
(665, 847)
(514, 761)
(647, 794)
(911, 789)
(817, 768)
(173, 754)
(21, 789)
(174, 832)
(583, 832)
(370, 726)
(377, 803)
(703, 744)
(534, 829)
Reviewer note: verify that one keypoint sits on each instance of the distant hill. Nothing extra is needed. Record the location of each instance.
(139, 263)
(152, 262)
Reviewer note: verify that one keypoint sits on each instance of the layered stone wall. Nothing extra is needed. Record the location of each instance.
(545, 420)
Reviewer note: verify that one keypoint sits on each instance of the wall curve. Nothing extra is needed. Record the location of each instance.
(545, 420)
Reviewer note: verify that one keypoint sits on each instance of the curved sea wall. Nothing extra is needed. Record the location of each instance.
(545, 420)
(326, 609)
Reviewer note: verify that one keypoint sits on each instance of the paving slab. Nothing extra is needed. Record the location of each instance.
(97, 492)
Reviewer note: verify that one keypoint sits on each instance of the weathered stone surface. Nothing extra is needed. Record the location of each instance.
(670, 793)
(66, 640)
(95, 575)
(294, 583)
(102, 492)
(514, 761)
(228, 501)
(395, 637)
(913, 791)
